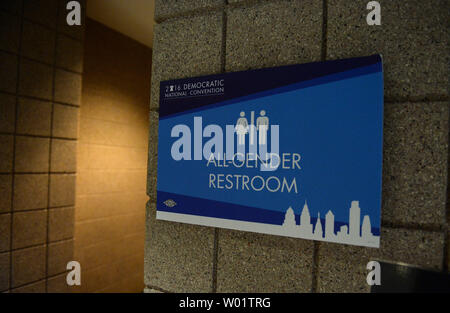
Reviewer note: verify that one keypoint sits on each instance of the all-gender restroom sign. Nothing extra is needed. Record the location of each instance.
(292, 151)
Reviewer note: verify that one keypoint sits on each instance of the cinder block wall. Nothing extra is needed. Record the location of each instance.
(216, 36)
(112, 162)
(40, 90)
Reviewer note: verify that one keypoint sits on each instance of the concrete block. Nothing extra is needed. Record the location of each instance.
(69, 53)
(151, 186)
(153, 134)
(63, 156)
(448, 251)
(184, 267)
(59, 254)
(151, 290)
(38, 42)
(65, 121)
(186, 47)
(34, 117)
(9, 32)
(152, 155)
(6, 153)
(415, 162)
(411, 39)
(8, 72)
(165, 9)
(14, 7)
(61, 223)
(36, 79)
(5, 193)
(41, 11)
(273, 34)
(37, 287)
(28, 265)
(4, 270)
(58, 284)
(342, 268)
(250, 262)
(428, 246)
(7, 113)
(30, 192)
(29, 228)
(5, 232)
(62, 190)
(32, 154)
(67, 87)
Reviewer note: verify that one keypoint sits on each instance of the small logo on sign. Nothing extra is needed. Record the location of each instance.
(170, 203)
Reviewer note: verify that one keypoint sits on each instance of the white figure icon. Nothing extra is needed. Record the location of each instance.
(262, 126)
(241, 128)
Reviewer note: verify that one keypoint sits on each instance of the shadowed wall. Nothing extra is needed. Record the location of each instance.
(40, 94)
(112, 162)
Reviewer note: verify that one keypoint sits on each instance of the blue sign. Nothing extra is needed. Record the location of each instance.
(292, 151)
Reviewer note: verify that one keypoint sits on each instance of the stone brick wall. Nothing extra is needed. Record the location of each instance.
(40, 90)
(112, 162)
(215, 36)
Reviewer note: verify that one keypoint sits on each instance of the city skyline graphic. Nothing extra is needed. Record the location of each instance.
(357, 231)
(351, 233)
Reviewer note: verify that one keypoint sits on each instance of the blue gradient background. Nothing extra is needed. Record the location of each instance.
(337, 129)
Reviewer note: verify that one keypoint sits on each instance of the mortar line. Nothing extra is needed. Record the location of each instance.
(42, 244)
(43, 25)
(38, 98)
(28, 284)
(216, 230)
(427, 99)
(215, 260)
(40, 136)
(315, 263)
(36, 173)
(249, 4)
(190, 13)
(315, 267)
(38, 281)
(446, 260)
(414, 226)
(158, 288)
(40, 209)
(224, 40)
(16, 110)
(42, 62)
(50, 149)
(324, 29)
